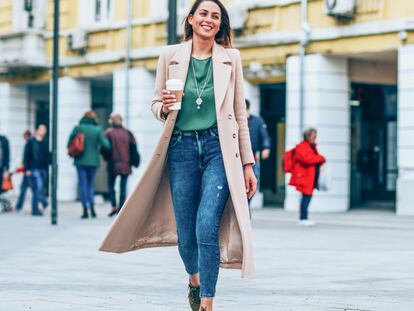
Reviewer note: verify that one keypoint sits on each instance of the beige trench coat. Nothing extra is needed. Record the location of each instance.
(147, 218)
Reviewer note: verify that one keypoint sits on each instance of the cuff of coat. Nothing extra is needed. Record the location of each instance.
(247, 158)
(158, 111)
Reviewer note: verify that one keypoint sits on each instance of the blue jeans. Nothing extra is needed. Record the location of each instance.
(37, 179)
(304, 204)
(199, 192)
(86, 176)
(22, 194)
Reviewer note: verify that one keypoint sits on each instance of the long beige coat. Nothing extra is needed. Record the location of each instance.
(147, 218)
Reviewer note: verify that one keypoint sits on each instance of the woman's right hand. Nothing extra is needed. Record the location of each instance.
(168, 99)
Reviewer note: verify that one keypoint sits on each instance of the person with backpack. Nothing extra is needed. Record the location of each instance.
(87, 138)
(25, 184)
(303, 162)
(119, 160)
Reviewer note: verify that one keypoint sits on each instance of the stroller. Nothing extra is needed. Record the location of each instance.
(6, 185)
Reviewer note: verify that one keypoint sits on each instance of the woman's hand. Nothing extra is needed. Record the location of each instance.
(168, 99)
(250, 180)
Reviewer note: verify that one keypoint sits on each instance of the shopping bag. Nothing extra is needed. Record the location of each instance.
(324, 180)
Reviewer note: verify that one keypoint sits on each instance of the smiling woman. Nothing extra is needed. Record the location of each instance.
(196, 186)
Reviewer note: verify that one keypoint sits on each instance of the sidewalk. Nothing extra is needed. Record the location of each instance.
(361, 260)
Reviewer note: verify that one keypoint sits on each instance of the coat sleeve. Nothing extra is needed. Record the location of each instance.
(246, 153)
(26, 155)
(160, 80)
(264, 135)
(308, 158)
(103, 141)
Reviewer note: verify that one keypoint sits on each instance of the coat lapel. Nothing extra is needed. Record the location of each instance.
(221, 73)
(179, 63)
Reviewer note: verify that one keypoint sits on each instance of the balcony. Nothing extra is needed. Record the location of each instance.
(23, 51)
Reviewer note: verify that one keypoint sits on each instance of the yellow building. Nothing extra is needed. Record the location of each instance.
(358, 86)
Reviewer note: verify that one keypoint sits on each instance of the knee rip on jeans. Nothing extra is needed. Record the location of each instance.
(220, 187)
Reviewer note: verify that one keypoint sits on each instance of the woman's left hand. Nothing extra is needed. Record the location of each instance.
(250, 180)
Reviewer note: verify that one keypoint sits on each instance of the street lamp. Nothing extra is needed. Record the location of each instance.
(172, 22)
(55, 80)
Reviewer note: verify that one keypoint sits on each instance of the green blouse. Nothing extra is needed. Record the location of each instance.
(189, 117)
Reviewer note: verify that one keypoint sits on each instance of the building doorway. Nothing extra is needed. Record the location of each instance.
(273, 111)
(102, 97)
(373, 145)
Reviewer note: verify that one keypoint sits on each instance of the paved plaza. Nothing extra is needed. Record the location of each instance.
(361, 260)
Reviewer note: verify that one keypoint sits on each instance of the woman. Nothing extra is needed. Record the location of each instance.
(198, 181)
(305, 172)
(88, 162)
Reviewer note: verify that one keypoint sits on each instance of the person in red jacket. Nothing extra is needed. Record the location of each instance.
(305, 172)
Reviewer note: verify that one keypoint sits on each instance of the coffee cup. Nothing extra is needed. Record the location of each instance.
(176, 87)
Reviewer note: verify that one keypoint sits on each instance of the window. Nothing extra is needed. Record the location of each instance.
(103, 10)
(95, 12)
(21, 19)
(160, 7)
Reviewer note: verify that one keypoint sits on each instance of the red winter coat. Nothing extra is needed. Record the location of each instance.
(305, 159)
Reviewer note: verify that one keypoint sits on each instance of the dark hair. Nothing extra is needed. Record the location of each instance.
(27, 133)
(39, 125)
(247, 104)
(223, 36)
(307, 133)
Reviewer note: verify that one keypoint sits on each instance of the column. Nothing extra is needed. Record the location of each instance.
(405, 148)
(142, 123)
(74, 101)
(327, 110)
(14, 118)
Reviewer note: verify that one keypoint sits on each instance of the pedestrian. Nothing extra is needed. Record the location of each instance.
(4, 156)
(36, 164)
(89, 161)
(305, 172)
(198, 181)
(119, 163)
(25, 184)
(260, 140)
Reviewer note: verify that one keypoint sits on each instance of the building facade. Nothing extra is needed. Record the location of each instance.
(359, 75)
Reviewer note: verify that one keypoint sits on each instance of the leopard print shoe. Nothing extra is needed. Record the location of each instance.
(194, 297)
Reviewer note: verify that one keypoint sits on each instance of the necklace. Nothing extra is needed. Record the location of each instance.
(199, 100)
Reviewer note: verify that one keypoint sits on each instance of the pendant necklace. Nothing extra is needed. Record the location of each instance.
(199, 100)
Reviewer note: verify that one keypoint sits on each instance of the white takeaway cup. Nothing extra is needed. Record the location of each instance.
(176, 86)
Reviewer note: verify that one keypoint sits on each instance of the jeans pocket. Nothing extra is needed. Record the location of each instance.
(175, 139)
(214, 132)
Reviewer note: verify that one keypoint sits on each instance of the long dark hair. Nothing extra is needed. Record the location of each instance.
(223, 36)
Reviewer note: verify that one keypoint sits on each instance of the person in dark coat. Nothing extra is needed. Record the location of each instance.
(25, 184)
(118, 160)
(305, 172)
(259, 138)
(4, 157)
(89, 161)
(36, 163)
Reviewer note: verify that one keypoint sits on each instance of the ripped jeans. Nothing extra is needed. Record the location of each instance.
(199, 192)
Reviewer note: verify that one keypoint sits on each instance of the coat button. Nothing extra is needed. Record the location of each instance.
(234, 135)
(237, 155)
(229, 116)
